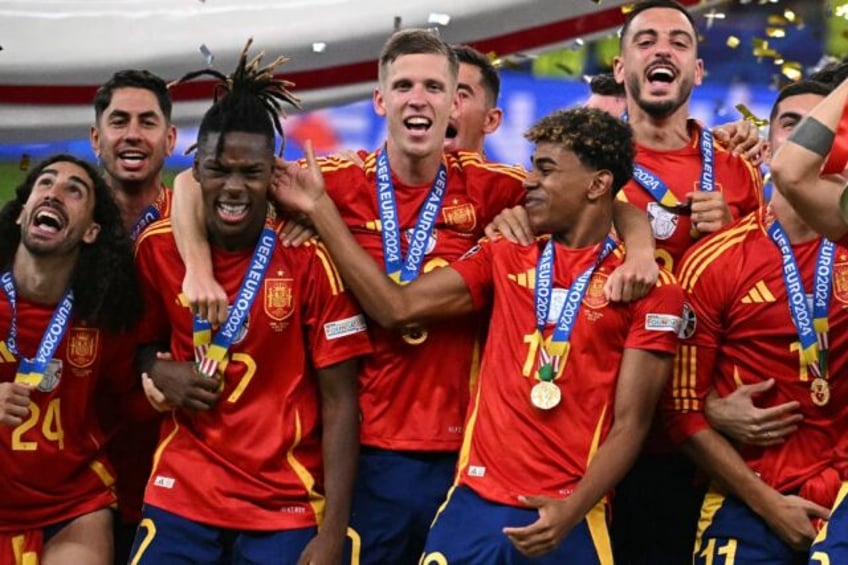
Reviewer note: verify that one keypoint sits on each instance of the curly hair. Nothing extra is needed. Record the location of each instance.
(599, 140)
(106, 289)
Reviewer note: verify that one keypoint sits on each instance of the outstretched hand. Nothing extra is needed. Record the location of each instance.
(296, 187)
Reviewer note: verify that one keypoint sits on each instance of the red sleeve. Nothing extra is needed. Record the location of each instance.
(475, 268)
(657, 318)
(692, 377)
(336, 329)
(154, 326)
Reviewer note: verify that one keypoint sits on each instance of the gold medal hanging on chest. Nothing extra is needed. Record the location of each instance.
(545, 394)
(820, 391)
(415, 336)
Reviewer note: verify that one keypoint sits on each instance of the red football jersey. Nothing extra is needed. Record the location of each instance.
(680, 170)
(548, 451)
(408, 402)
(258, 451)
(742, 333)
(53, 464)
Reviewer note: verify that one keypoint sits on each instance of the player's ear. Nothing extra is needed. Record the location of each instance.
(91, 233)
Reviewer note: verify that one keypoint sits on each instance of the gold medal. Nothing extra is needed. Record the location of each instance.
(820, 391)
(545, 395)
(415, 336)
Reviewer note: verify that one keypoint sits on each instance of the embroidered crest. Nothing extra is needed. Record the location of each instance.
(278, 298)
(82, 346)
(462, 217)
(594, 297)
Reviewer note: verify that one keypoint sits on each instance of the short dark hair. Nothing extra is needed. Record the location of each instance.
(832, 73)
(416, 42)
(132, 78)
(640, 7)
(599, 140)
(250, 100)
(805, 86)
(604, 84)
(491, 79)
(106, 289)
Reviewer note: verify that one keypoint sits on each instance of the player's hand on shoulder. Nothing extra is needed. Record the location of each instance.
(556, 520)
(633, 279)
(296, 231)
(352, 156)
(742, 137)
(14, 403)
(513, 225)
(182, 386)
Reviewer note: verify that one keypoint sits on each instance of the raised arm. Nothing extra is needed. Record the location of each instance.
(340, 449)
(439, 294)
(640, 380)
(638, 274)
(206, 297)
(795, 168)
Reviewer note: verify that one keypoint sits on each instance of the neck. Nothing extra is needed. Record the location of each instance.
(413, 170)
(665, 133)
(591, 229)
(237, 242)
(796, 230)
(42, 279)
(133, 199)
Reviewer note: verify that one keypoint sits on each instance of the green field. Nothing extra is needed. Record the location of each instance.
(11, 175)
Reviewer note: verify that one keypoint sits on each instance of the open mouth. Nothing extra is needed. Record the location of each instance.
(418, 124)
(661, 74)
(132, 159)
(48, 219)
(451, 132)
(231, 212)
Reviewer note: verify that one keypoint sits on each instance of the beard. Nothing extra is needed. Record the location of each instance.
(661, 108)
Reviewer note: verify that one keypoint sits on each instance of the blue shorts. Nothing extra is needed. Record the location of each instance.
(467, 531)
(831, 545)
(730, 532)
(164, 537)
(395, 499)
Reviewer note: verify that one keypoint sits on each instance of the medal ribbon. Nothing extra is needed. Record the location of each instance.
(560, 344)
(403, 270)
(208, 356)
(150, 215)
(658, 190)
(812, 327)
(31, 371)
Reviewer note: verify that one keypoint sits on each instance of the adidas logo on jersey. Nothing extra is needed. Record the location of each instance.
(758, 294)
(527, 279)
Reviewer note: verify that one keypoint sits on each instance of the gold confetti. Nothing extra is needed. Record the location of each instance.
(789, 15)
(791, 70)
(777, 20)
(733, 41)
(24, 164)
(749, 115)
(774, 32)
(627, 8)
(760, 43)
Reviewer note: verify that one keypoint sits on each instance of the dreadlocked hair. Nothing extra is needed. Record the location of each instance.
(249, 100)
(106, 289)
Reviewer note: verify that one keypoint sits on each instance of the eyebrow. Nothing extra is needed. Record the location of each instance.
(542, 161)
(789, 114)
(654, 33)
(125, 114)
(75, 178)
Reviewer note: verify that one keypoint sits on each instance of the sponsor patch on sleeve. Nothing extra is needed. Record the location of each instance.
(663, 323)
(346, 327)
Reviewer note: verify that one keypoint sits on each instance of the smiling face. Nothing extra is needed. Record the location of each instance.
(658, 62)
(558, 188)
(234, 186)
(416, 96)
(132, 138)
(475, 115)
(59, 212)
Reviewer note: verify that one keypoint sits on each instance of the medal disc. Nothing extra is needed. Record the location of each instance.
(820, 391)
(545, 395)
(415, 336)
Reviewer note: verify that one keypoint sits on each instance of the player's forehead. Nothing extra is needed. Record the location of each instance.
(134, 100)
(418, 66)
(659, 21)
